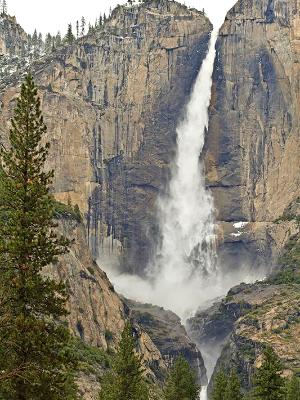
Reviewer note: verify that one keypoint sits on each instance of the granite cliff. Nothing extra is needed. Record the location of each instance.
(252, 149)
(169, 335)
(96, 313)
(111, 102)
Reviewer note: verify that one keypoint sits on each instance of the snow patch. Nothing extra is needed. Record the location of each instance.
(236, 234)
(239, 225)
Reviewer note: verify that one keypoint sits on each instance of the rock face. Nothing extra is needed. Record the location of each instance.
(97, 314)
(169, 335)
(252, 150)
(13, 39)
(248, 319)
(111, 102)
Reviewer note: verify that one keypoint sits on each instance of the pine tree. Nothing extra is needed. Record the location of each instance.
(269, 385)
(40, 42)
(34, 361)
(35, 38)
(181, 383)
(48, 43)
(83, 26)
(219, 386)
(58, 40)
(233, 387)
(69, 38)
(77, 29)
(4, 7)
(125, 381)
(293, 389)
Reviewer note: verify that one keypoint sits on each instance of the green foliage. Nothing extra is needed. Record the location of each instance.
(227, 388)
(69, 38)
(290, 262)
(181, 383)
(67, 211)
(293, 389)
(108, 336)
(219, 386)
(233, 388)
(35, 361)
(89, 358)
(269, 385)
(292, 253)
(125, 381)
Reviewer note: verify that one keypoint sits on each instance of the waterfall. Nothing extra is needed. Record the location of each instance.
(203, 394)
(187, 253)
(184, 274)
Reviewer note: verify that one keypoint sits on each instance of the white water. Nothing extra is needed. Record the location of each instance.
(186, 213)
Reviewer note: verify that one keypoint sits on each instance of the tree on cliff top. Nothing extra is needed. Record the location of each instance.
(35, 362)
(181, 383)
(269, 385)
(3, 7)
(125, 381)
(69, 38)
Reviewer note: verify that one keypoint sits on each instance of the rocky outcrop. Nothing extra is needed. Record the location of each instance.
(252, 150)
(248, 319)
(169, 335)
(15, 55)
(13, 38)
(111, 102)
(97, 314)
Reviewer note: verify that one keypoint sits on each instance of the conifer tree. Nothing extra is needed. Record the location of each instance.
(77, 29)
(34, 361)
(219, 386)
(125, 381)
(35, 38)
(269, 385)
(233, 387)
(58, 40)
(83, 26)
(40, 42)
(293, 389)
(4, 7)
(181, 383)
(69, 38)
(48, 43)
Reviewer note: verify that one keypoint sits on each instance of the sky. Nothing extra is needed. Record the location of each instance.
(54, 15)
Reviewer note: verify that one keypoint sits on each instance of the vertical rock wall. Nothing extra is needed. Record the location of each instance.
(252, 149)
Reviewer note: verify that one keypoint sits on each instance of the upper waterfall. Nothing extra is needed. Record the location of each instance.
(186, 212)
